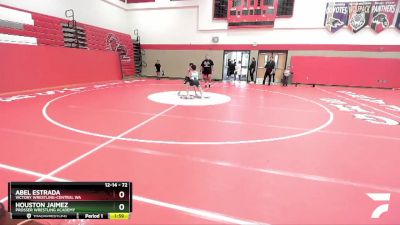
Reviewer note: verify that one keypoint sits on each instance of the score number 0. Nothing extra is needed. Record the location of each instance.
(121, 206)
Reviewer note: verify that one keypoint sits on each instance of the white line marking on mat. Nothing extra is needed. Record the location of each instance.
(360, 103)
(308, 132)
(302, 176)
(29, 172)
(226, 164)
(105, 143)
(211, 216)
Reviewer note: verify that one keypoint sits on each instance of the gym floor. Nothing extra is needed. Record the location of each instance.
(243, 154)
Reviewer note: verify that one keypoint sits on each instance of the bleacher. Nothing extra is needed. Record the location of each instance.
(24, 27)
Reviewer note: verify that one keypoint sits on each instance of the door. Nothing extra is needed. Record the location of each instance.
(241, 61)
(280, 58)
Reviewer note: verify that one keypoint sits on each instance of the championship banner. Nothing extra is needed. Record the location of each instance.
(398, 21)
(336, 16)
(359, 13)
(382, 15)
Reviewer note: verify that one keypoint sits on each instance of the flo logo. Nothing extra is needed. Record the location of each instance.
(384, 207)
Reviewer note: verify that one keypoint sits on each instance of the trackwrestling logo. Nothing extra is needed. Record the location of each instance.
(380, 197)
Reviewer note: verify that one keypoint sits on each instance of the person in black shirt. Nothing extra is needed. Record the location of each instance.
(231, 68)
(158, 69)
(252, 69)
(206, 69)
(269, 67)
(228, 72)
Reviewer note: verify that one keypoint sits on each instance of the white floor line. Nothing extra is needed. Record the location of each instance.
(360, 135)
(208, 119)
(104, 144)
(302, 176)
(211, 216)
(205, 119)
(29, 172)
(308, 132)
(200, 213)
(360, 103)
(277, 108)
(222, 163)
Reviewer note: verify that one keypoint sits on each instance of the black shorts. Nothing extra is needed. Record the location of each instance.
(187, 80)
(194, 83)
(207, 71)
(191, 82)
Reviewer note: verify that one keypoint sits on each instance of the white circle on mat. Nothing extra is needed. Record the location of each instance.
(178, 98)
(174, 142)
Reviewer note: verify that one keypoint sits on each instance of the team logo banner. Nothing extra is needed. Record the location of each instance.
(398, 21)
(382, 15)
(336, 15)
(359, 13)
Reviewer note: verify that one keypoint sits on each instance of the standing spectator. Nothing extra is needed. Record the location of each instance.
(238, 69)
(252, 69)
(206, 69)
(228, 71)
(231, 68)
(286, 75)
(158, 69)
(273, 75)
(269, 67)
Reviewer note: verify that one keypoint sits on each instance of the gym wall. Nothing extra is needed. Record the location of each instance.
(189, 26)
(348, 54)
(105, 14)
(356, 71)
(48, 30)
(191, 22)
(26, 67)
(176, 62)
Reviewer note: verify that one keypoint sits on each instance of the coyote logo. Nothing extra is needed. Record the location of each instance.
(334, 23)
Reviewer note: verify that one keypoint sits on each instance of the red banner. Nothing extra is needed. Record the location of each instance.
(382, 15)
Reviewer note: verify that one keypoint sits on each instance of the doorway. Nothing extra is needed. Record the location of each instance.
(240, 59)
(280, 58)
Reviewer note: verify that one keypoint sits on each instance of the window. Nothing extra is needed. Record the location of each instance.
(220, 9)
(285, 7)
(269, 2)
(236, 3)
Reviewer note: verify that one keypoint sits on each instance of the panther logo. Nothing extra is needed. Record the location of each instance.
(358, 21)
(334, 23)
(114, 45)
(380, 18)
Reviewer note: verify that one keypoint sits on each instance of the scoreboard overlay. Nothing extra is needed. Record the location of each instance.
(70, 200)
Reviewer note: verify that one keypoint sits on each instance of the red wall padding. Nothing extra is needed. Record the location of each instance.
(348, 71)
(25, 67)
(48, 31)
